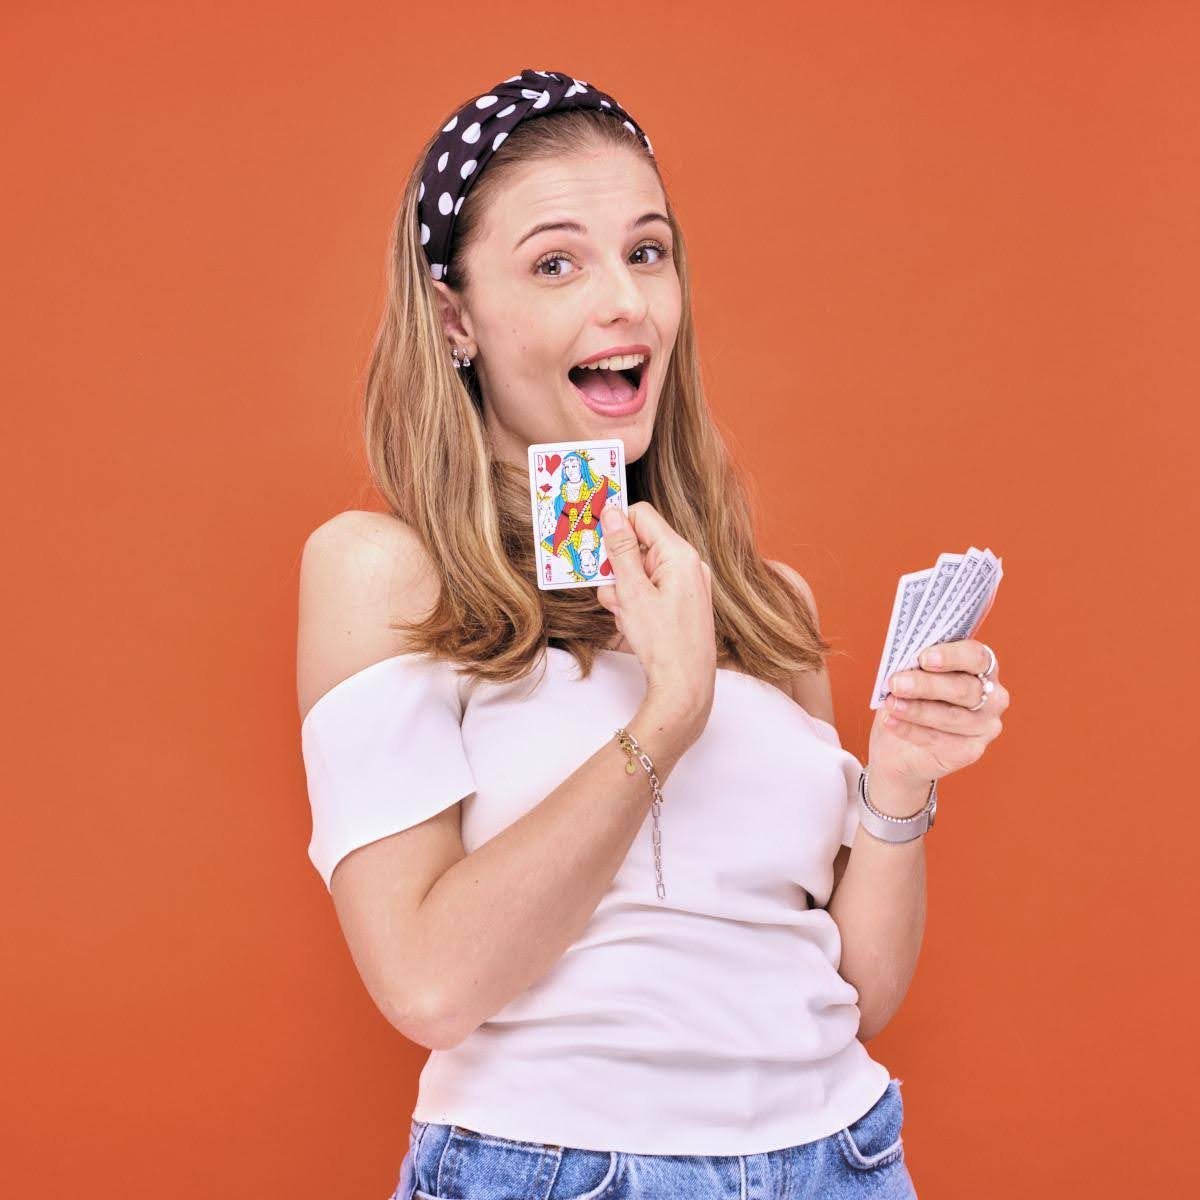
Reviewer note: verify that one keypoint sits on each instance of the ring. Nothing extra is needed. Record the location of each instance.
(982, 676)
(992, 654)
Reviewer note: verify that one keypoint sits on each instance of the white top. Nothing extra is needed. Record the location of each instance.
(711, 1022)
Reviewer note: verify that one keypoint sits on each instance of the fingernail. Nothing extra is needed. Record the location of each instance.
(612, 518)
(931, 658)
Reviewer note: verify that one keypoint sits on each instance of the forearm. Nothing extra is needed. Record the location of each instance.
(501, 917)
(879, 908)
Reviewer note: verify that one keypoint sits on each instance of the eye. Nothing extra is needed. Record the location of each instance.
(553, 256)
(657, 246)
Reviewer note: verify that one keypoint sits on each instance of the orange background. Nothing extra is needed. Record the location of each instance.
(946, 267)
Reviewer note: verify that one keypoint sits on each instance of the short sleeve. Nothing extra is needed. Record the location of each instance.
(383, 751)
(851, 770)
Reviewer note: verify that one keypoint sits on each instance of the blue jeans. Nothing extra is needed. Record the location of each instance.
(866, 1158)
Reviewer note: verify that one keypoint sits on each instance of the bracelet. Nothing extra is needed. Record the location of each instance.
(887, 828)
(635, 754)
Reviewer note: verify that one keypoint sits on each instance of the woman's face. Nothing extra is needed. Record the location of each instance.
(541, 300)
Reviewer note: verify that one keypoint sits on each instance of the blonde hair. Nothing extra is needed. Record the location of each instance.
(429, 455)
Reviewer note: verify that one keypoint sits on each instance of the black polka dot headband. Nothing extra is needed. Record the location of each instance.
(469, 139)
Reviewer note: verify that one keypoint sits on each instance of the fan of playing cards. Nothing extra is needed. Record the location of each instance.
(943, 603)
(569, 485)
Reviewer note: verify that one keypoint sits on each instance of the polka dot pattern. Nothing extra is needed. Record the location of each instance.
(469, 139)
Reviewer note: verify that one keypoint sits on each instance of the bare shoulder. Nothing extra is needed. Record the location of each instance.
(360, 572)
(810, 689)
(798, 581)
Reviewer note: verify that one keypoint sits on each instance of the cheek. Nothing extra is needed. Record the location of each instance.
(516, 358)
(668, 312)
(535, 343)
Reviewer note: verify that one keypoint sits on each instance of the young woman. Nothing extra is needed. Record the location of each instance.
(599, 847)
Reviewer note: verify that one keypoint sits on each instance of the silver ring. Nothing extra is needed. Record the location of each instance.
(992, 654)
(988, 685)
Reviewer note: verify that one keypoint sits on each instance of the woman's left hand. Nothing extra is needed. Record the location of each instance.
(923, 730)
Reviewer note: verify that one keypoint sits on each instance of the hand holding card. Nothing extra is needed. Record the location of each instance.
(662, 603)
(943, 603)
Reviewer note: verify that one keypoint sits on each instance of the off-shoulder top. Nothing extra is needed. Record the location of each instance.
(711, 1022)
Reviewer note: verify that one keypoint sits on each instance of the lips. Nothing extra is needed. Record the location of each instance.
(617, 352)
(594, 381)
(611, 393)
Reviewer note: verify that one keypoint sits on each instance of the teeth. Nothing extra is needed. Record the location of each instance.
(621, 363)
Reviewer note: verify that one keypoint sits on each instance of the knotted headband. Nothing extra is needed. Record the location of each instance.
(469, 139)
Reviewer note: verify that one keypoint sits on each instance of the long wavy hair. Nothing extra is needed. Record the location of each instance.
(430, 457)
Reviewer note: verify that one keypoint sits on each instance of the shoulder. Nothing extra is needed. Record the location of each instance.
(360, 573)
(361, 544)
(810, 689)
(798, 581)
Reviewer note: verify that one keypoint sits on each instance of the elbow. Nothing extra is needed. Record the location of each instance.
(873, 1021)
(429, 1023)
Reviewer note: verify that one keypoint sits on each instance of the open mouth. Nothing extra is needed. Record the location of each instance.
(609, 385)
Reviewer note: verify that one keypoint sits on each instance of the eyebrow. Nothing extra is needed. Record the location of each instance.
(575, 227)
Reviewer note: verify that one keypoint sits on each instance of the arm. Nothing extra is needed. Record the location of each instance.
(879, 894)
(441, 938)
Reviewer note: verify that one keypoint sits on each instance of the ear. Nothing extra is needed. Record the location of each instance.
(456, 322)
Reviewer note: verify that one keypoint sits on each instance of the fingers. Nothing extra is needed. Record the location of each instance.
(661, 541)
(964, 655)
(607, 597)
(624, 553)
(640, 543)
(948, 718)
(953, 687)
(948, 751)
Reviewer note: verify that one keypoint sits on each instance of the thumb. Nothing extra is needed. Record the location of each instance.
(621, 542)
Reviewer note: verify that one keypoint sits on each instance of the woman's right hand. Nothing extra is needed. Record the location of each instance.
(663, 608)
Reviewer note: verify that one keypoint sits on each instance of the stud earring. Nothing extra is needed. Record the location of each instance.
(459, 363)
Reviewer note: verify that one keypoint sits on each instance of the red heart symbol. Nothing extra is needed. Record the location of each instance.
(606, 567)
(552, 463)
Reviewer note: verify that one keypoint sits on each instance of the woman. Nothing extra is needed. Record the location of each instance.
(616, 1007)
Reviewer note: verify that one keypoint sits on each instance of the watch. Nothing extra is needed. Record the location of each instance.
(894, 829)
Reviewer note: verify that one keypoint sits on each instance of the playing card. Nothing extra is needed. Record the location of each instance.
(569, 485)
(940, 577)
(906, 607)
(945, 603)
(959, 609)
(951, 582)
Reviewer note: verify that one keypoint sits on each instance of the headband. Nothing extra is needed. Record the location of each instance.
(469, 139)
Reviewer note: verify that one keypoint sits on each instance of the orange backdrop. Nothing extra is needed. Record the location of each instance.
(962, 310)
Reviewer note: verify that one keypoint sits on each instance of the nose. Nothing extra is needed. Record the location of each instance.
(622, 296)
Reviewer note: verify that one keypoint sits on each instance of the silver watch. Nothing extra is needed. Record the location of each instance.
(894, 829)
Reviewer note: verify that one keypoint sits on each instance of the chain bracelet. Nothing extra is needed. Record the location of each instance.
(635, 754)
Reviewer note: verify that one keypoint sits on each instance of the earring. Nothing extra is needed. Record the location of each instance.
(459, 363)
